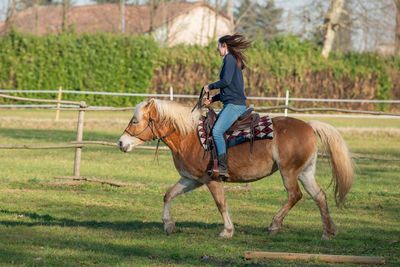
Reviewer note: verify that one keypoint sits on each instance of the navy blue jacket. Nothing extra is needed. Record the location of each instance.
(231, 83)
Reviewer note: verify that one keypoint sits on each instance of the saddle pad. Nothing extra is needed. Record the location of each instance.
(264, 130)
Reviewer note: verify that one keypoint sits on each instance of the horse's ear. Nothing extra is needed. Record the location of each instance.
(151, 107)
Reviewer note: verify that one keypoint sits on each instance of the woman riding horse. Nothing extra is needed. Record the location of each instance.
(231, 94)
(293, 151)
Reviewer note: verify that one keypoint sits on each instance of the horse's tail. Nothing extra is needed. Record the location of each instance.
(341, 162)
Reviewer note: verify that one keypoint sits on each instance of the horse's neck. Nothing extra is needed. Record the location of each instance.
(183, 144)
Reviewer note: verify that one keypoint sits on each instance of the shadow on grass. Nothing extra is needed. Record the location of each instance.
(48, 220)
(105, 253)
(169, 252)
(112, 253)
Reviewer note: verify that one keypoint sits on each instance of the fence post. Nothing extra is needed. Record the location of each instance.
(286, 102)
(58, 103)
(79, 137)
(171, 93)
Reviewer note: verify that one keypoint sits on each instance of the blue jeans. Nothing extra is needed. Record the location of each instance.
(226, 117)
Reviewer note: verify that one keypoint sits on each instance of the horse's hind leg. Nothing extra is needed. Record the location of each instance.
(307, 178)
(184, 185)
(217, 191)
(289, 178)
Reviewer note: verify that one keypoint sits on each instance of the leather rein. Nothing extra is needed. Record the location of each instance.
(200, 103)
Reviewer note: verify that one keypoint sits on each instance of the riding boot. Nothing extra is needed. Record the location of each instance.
(223, 166)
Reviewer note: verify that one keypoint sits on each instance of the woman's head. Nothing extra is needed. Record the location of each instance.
(235, 44)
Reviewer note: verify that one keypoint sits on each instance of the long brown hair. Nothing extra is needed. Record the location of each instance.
(236, 44)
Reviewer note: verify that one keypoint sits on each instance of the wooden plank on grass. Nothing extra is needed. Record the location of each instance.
(249, 255)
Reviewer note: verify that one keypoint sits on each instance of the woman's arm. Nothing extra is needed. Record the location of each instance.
(216, 98)
(228, 71)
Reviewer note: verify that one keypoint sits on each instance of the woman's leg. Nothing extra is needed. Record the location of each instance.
(228, 115)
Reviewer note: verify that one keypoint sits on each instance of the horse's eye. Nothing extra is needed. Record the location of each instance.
(134, 121)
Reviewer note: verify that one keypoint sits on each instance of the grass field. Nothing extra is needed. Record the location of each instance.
(47, 222)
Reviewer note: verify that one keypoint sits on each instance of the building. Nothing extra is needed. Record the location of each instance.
(170, 23)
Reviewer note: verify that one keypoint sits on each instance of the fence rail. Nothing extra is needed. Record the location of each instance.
(171, 95)
(81, 107)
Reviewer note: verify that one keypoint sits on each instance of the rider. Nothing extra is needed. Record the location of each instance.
(231, 94)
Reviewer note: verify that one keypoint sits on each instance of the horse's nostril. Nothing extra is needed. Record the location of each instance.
(120, 143)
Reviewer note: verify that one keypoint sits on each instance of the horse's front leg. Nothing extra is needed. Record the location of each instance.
(184, 185)
(217, 191)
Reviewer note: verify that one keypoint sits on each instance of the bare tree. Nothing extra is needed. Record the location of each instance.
(65, 7)
(229, 11)
(10, 15)
(217, 8)
(343, 39)
(122, 14)
(397, 29)
(331, 25)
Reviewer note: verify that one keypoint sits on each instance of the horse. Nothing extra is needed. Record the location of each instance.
(293, 151)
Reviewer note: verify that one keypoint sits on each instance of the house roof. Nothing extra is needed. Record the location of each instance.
(99, 18)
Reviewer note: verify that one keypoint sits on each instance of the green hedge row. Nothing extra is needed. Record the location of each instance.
(104, 62)
(285, 63)
(98, 62)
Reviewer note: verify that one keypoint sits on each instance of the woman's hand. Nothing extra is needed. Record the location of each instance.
(207, 101)
(205, 87)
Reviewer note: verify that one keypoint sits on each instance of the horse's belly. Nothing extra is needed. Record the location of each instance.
(246, 166)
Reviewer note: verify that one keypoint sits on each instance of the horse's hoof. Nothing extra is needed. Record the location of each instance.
(328, 235)
(273, 230)
(169, 227)
(226, 233)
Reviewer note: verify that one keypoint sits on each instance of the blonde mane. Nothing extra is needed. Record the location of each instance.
(178, 115)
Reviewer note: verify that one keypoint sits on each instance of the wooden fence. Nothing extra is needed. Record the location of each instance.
(82, 107)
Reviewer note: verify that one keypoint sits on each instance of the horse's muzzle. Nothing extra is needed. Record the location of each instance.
(124, 147)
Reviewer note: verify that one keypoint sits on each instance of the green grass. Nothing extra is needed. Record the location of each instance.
(46, 222)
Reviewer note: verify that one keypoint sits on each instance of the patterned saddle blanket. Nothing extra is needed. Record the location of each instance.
(264, 130)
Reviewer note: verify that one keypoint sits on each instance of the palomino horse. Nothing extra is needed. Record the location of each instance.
(292, 151)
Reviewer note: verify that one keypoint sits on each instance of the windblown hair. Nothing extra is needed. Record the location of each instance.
(237, 44)
(177, 114)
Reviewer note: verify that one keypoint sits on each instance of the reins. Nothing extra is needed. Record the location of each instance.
(200, 103)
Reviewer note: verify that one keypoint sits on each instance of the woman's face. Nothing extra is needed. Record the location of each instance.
(222, 49)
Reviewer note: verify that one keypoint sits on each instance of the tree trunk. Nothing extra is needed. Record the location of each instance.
(217, 4)
(229, 11)
(343, 37)
(36, 7)
(397, 33)
(65, 8)
(122, 15)
(9, 22)
(331, 25)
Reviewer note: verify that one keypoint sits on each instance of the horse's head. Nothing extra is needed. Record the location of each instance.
(140, 127)
(156, 119)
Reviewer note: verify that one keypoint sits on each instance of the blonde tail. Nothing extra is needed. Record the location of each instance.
(342, 164)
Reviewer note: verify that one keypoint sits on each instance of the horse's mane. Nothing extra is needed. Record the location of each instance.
(178, 115)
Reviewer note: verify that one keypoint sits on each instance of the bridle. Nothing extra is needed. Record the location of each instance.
(150, 125)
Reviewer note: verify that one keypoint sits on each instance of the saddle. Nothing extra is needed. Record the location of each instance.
(248, 127)
(248, 120)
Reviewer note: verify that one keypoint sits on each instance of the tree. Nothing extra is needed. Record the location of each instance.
(10, 15)
(343, 39)
(397, 29)
(258, 21)
(229, 11)
(331, 25)
(66, 4)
